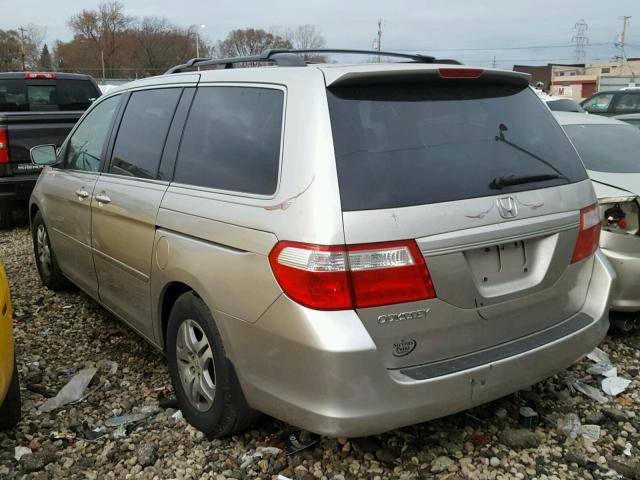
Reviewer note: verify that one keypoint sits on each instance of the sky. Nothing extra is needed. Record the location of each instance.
(472, 31)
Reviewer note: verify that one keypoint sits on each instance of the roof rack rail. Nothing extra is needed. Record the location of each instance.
(291, 58)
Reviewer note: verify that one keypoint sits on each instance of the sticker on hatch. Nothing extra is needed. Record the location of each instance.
(404, 347)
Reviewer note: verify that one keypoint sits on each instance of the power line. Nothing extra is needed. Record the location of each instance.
(581, 41)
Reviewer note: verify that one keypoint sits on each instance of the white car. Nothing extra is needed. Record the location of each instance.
(610, 150)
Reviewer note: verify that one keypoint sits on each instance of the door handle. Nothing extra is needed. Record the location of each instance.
(103, 198)
(82, 193)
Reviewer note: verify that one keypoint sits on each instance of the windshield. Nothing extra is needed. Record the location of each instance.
(607, 148)
(406, 144)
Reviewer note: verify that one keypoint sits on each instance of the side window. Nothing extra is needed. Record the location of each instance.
(628, 103)
(143, 131)
(84, 149)
(599, 103)
(232, 139)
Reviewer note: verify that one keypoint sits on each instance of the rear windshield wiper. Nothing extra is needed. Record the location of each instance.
(501, 138)
(506, 181)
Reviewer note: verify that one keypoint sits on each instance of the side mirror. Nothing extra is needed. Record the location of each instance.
(43, 155)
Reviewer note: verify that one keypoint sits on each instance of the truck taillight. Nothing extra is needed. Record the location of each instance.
(589, 235)
(4, 146)
(40, 76)
(342, 277)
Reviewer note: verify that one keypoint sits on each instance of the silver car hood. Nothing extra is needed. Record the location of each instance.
(615, 184)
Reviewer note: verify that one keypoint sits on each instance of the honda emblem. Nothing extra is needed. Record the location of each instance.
(507, 207)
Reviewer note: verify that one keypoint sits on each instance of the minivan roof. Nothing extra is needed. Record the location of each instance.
(334, 74)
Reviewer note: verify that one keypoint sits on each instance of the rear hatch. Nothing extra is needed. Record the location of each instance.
(471, 167)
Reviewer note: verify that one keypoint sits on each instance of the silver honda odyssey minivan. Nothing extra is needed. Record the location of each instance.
(350, 248)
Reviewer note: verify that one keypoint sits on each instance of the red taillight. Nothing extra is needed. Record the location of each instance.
(354, 276)
(40, 76)
(589, 235)
(4, 146)
(460, 72)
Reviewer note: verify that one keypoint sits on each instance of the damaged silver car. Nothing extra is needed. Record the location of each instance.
(610, 149)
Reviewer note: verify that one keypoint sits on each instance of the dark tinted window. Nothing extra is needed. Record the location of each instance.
(398, 145)
(607, 148)
(565, 105)
(84, 149)
(142, 133)
(13, 95)
(19, 95)
(75, 94)
(628, 103)
(232, 140)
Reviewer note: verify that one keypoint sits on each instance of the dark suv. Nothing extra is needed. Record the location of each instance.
(35, 108)
(614, 102)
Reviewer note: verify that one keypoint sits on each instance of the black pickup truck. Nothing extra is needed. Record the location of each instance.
(35, 108)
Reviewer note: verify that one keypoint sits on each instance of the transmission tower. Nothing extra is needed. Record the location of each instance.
(581, 40)
(620, 39)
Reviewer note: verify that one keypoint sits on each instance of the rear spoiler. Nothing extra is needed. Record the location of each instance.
(395, 73)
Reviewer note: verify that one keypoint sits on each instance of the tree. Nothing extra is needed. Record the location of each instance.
(307, 37)
(44, 63)
(33, 36)
(249, 41)
(160, 45)
(103, 29)
(10, 50)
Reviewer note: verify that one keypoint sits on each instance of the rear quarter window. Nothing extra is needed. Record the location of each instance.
(231, 140)
(398, 145)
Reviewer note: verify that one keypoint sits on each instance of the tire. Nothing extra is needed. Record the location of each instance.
(50, 273)
(218, 411)
(11, 406)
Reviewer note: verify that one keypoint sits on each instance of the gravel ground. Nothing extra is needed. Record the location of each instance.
(58, 334)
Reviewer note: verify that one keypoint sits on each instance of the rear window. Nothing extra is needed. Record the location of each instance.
(399, 145)
(19, 95)
(607, 148)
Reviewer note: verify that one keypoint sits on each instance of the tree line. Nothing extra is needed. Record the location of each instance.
(108, 43)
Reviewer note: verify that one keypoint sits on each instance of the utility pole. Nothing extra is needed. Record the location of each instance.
(581, 41)
(494, 64)
(620, 40)
(379, 37)
(22, 30)
(102, 60)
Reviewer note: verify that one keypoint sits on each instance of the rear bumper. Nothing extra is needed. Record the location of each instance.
(16, 190)
(322, 371)
(625, 296)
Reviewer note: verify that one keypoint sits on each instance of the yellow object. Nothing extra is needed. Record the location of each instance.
(6, 335)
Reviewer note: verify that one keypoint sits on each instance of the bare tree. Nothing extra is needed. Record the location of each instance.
(249, 41)
(34, 36)
(307, 37)
(160, 45)
(10, 50)
(304, 37)
(102, 28)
